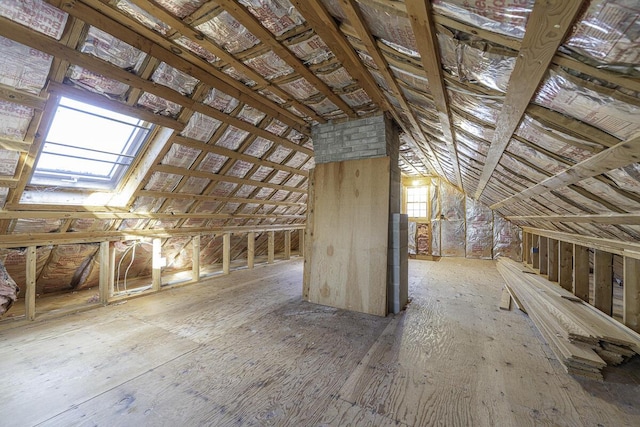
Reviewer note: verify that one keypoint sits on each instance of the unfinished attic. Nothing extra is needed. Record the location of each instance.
(320, 212)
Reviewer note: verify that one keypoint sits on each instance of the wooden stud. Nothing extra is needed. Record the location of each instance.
(251, 248)
(565, 273)
(609, 218)
(105, 273)
(543, 248)
(603, 281)
(581, 272)
(546, 28)
(631, 297)
(30, 294)
(528, 244)
(226, 253)
(554, 260)
(156, 270)
(535, 251)
(271, 247)
(287, 244)
(112, 269)
(195, 258)
(301, 243)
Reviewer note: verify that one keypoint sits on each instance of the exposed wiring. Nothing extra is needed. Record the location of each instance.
(133, 257)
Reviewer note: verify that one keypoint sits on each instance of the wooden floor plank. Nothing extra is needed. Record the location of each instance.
(245, 350)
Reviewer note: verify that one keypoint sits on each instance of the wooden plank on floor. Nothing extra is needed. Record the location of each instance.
(505, 300)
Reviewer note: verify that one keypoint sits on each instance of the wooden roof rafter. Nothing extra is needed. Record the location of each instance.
(101, 15)
(609, 218)
(424, 30)
(547, 26)
(196, 36)
(623, 154)
(250, 22)
(355, 17)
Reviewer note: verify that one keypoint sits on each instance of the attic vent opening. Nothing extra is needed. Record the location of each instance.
(88, 147)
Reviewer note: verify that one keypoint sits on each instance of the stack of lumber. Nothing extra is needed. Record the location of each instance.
(584, 339)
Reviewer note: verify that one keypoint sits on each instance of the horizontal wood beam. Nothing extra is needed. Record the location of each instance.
(13, 145)
(24, 214)
(613, 246)
(611, 218)
(104, 102)
(215, 149)
(623, 154)
(23, 98)
(211, 198)
(67, 238)
(224, 178)
(546, 28)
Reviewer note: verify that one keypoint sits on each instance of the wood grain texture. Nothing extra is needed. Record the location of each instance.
(349, 235)
(581, 272)
(245, 350)
(631, 299)
(620, 155)
(554, 259)
(546, 28)
(603, 281)
(565, 272)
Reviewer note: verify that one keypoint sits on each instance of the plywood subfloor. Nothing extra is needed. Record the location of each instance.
(245, 349)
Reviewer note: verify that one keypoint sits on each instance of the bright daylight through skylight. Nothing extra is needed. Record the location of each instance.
(88, 147)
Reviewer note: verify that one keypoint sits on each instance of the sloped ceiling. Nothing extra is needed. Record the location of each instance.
(531, 109)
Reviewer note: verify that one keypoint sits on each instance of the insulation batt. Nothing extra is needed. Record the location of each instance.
(143, 17)
(96, 83)
(35, 14)
(159, 105)
(278, 16)
(196, 48)
(15, 120)
(200, 127)
(8, 290)
(105, 46)
(228, 33)
(22, 67)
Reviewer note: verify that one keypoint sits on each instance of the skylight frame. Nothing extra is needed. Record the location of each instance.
(99, 165)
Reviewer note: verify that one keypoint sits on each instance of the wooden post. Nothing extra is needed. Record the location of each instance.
(631, 296)
(565, 274)
(251, 248)
(581, 272)
(156, 271)
(603, 281)
(554, 260)
(112, 269)
(535, 251)
(226, 253)
(287, 244)
(543, 246)
(301, 243)
(30, 295)
(105, 273)
(527, 248)
(195, 258)
(271, 245)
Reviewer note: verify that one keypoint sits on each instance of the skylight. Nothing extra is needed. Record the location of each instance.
(88, 147)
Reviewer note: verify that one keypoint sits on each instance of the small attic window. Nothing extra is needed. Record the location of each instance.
(88, 147)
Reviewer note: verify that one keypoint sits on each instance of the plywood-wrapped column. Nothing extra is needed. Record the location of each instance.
(356, 189)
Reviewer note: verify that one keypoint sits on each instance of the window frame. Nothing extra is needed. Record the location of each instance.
(141, 132)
